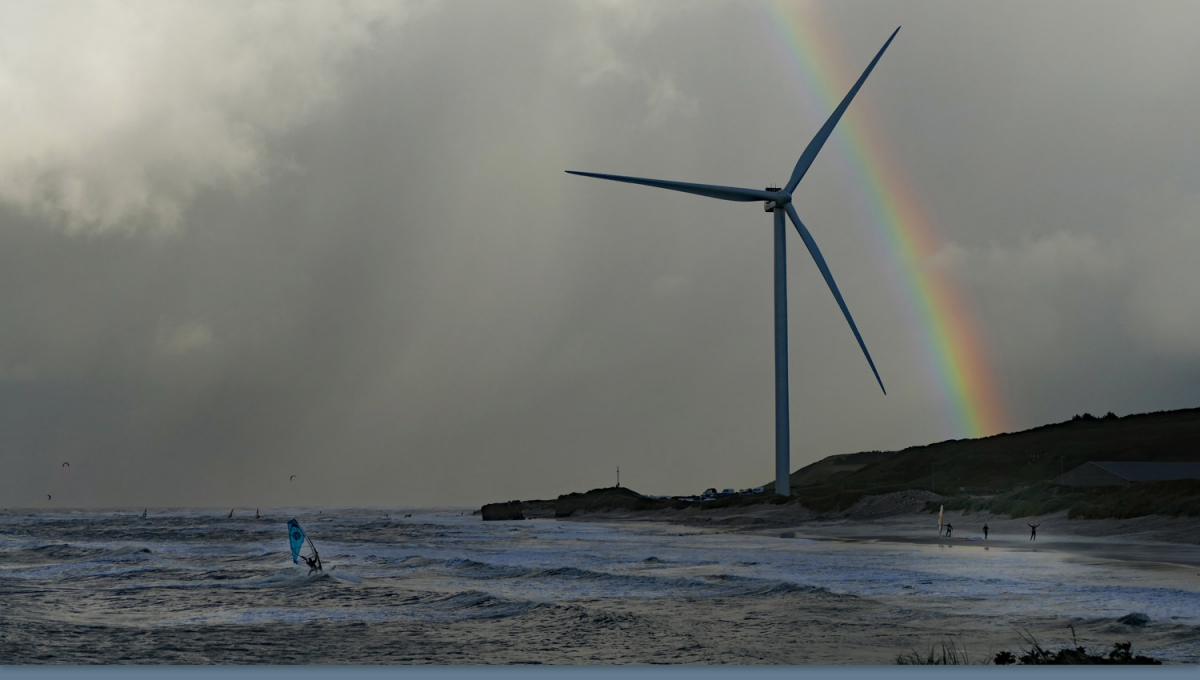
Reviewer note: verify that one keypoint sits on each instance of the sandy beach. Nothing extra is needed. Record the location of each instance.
(901, 518)
(1164, 544)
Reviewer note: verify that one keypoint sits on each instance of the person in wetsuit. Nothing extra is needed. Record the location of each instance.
(985, 532)
(1032, 530)
(313, 563)
(949, 529)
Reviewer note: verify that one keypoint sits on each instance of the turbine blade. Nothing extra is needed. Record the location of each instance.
(837, 295)
(814, 147)
(709, 190)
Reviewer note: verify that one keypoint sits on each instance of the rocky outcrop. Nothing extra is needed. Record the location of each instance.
(503, 511)
(600, 500)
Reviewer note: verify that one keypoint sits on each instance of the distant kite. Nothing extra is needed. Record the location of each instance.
(291, 478)
(66, 465)
(47, 496)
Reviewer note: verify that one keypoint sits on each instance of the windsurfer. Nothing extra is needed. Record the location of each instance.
(297, 539)
(949, 529)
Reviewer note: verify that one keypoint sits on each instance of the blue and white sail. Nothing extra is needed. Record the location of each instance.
(296, 538)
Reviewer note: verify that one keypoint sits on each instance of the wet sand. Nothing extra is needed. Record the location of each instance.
(900, 518)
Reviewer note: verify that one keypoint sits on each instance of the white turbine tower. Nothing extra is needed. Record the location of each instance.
(779, 201)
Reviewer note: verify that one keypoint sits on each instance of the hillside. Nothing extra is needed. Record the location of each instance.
(1006, 473)
(1006, 461)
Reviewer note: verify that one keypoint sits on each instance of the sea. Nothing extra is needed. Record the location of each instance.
(408, 586)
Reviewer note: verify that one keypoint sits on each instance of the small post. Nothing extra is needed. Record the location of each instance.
(618, 476)
(933, 477)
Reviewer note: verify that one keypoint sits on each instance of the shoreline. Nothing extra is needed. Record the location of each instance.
(1150, 540)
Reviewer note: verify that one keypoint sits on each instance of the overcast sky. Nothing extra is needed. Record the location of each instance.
(245, 240)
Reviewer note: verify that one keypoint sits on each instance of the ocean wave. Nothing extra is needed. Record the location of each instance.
(416, 562)
(228, 579)
(130, 550)
(475, 569)
(57, 551)
(473, 604)
(62, 561)
(646, 580)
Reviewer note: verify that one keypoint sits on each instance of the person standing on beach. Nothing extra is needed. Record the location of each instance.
(1032, 530)
(949, 529)
(985, 532)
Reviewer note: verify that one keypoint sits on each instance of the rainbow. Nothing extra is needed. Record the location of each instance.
(955, 353)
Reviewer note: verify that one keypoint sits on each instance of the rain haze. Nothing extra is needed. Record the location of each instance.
(241, 241)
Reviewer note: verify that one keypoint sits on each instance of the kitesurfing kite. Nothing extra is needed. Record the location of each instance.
(47, 496)
(297, 538)
(291, 478)
(65, 464)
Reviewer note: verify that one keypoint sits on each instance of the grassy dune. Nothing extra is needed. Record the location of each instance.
(1004, 462)
(1176, 498)
(1007, 474)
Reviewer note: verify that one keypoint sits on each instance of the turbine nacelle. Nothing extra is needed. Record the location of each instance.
(779, 199)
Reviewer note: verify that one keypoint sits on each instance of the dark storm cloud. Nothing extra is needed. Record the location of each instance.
(363, 264)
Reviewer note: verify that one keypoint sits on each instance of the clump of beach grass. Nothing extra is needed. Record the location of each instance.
(1175, 498)
(947, 655)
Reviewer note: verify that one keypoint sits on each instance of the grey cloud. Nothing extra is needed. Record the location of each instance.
(400, 297)
(119, 114)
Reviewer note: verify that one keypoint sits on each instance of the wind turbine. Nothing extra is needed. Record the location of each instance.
(779, 201)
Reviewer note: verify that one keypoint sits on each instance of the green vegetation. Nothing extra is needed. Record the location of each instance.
(1004, 462)
(841, 500)
(1011, 474)
(611, 498)
(1008, 474)
(1179, 497)
(948, 655)
(614, 498)
(1119, 655)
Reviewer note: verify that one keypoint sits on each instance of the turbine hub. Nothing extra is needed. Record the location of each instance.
(781, 199)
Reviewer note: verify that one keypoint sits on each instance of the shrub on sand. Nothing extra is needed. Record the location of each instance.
(947, 654)
(1119, 655)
